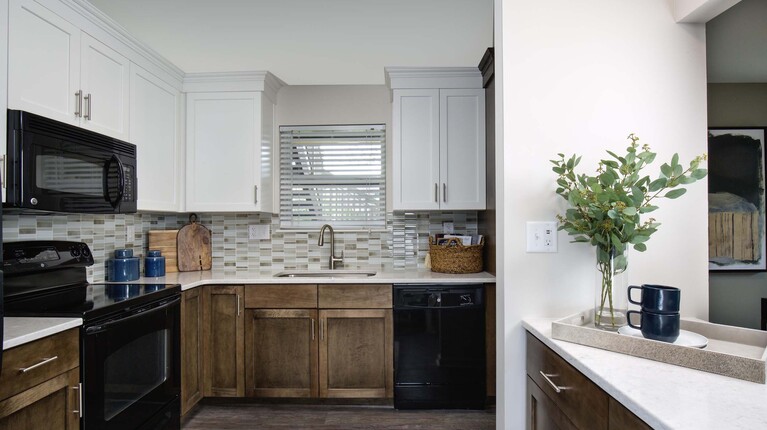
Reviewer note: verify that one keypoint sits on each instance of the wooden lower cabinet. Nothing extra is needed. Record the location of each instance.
(223, 341)
(282, 354)
(356, 353)
(560, 397)
(191, 349)
(47, 394)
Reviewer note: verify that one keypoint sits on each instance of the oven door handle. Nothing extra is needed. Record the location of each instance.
(138, 313)
(120, 181)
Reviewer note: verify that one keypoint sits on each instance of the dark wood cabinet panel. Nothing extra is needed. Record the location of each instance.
(223, 341)
(542, 413)
(281, 353)
(623, 419)
(356, 357)
(191, 349)
(281, 296)
(354, 296)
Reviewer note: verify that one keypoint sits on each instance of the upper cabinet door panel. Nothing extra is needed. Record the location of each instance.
(462, 148)
(105, 82)
(223, 155)
(416, 149)
(43, 62)
(154, 107)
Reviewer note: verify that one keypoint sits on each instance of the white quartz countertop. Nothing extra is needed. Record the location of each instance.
(18, 331)
(663, 395)
(190, 280)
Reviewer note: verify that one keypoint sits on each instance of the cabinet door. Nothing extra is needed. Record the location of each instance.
(53, 404)
(104, 79)
(415, 159)
(223, 341)
(462, 149)
(154, 107)
(356, 353)
(281, 351)
(191, 349)
(43, 62)
(542, 413)
(223, 152)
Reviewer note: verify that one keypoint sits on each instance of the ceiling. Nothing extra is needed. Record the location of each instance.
(736, 44)
(309, 42)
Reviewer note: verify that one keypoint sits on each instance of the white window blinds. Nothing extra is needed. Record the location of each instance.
(333, 174)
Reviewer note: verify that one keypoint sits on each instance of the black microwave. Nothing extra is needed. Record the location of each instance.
(58, 167)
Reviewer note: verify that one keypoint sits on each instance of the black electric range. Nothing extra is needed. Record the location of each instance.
(123, 324)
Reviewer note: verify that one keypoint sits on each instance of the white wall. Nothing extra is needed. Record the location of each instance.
(579, 77)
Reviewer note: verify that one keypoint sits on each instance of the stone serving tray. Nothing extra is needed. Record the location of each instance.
(731, 351)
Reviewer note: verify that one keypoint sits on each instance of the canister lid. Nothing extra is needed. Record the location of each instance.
(154, 253)
(123, 253)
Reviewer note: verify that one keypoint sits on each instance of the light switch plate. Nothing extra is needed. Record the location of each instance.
(541, 236)
(448, 227)
(258, 232)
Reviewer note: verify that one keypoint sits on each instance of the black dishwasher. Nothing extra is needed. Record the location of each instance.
(439, 346)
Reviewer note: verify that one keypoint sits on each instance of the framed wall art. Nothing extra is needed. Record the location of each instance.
(736, 199)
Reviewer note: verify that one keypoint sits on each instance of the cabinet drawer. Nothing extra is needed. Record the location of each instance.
(585, 404)
(43, 359)
(354, 296)
(281, 296)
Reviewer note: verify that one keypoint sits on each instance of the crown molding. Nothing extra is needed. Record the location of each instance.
(432, 77)
(262, 81)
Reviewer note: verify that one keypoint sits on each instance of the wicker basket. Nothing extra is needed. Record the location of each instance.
(454, 257)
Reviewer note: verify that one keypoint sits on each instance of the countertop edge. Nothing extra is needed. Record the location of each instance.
(20, 330)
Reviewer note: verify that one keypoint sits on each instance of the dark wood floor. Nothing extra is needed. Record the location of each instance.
(326, 417)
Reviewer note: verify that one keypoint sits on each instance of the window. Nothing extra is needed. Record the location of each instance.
(333, 174)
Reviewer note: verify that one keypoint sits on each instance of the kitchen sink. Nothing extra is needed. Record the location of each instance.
(325, 274)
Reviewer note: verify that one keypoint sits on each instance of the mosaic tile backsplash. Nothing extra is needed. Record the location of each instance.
(403, 245)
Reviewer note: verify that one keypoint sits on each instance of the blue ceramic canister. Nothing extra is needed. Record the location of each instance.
(123, 267)
(154, 264)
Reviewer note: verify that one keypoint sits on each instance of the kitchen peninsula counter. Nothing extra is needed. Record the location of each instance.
(663, 395)
(20, 330)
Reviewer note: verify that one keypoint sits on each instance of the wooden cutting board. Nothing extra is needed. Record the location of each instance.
(193, 245)
(165, 242)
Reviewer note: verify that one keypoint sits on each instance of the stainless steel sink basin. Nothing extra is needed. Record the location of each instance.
(325, 274)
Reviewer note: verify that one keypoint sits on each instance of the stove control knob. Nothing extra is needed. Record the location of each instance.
(33, 201)
(86, 252)
(75, 252)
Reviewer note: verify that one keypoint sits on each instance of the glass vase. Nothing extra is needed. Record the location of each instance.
(611, 301)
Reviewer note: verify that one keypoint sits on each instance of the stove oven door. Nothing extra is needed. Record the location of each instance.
(131, 369)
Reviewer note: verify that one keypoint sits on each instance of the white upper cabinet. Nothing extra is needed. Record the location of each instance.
(154, 129)
(60, 72)
(104, 80)
(230, 142)
(438, 121)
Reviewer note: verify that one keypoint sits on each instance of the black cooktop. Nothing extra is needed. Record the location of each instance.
(48, 278)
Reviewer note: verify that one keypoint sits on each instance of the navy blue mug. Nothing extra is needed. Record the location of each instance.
(655, 326)
(659, 299)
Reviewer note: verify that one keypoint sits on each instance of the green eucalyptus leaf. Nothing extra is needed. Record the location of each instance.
(657, 184)
(678, 170)
(630, 211)
(641, 247)
(612, 213)
(675, 193)
(611, 163)
(675, 161)
(621, 262)
(699, 173)
(639, 239)
(666, 170)
(647, 209)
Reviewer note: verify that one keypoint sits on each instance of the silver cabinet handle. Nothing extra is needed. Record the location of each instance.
(256, 193)
(312, 328)
(238, 305)
(35, 366)
(79, 410)
(87, 110)
(444, 192)
(5, 167)
(556, 388)
(79, 103)
(436, 192)
(322, 332)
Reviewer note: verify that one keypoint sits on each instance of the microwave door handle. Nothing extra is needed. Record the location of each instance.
(120, 181)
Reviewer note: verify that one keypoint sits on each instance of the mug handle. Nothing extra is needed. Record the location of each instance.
(628, 319)
(629, 294)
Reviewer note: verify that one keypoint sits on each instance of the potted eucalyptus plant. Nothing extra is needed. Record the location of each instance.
(606, 210)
